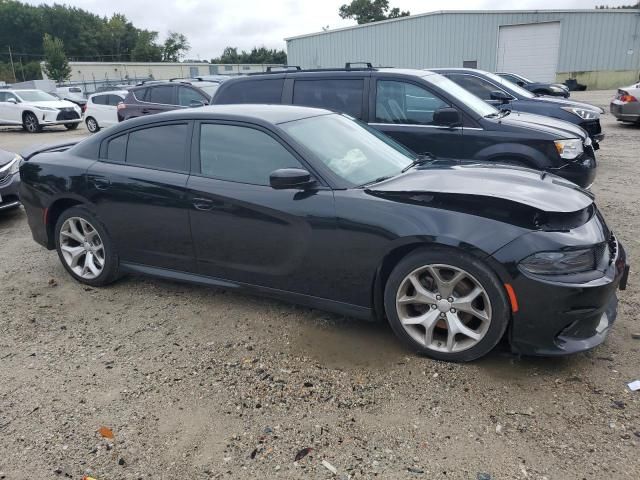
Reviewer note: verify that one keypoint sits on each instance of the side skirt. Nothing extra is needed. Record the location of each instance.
(339, 308)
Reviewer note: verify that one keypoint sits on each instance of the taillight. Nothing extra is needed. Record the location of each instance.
(626, 97)
(121, 105)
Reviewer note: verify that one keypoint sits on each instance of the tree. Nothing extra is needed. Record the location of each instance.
(146, 48)
(368, 11)
(175, 47)
(56, 65)
(256, 55)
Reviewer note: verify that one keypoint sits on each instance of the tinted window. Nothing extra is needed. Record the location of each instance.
(113, 100)
(75, 90)
(100, 99)
(241, 154)
(116, 148)
(251, 91)
(161, 94)
(479, 87)
(400, 102)
(340, 95)
(187, 95)
(142, 94)
(158, 147)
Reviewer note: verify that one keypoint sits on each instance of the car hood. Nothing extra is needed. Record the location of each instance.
(6, 157)
(530, 188)
(54, 104)
(554, 126)
(562, 102)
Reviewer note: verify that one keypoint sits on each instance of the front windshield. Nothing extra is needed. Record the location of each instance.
(35, 96)
(349, 149)
(208, 89)
(479, 106)
(517, 89)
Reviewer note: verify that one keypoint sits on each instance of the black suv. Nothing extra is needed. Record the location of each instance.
(537, 88)
(427, 113)
(155, 97)
(500, 92)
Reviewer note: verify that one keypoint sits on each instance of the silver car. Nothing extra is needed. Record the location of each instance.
(626, 104)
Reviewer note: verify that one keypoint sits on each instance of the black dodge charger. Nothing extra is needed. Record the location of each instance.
(315, 208)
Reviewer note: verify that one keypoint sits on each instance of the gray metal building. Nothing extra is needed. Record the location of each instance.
(600, 48)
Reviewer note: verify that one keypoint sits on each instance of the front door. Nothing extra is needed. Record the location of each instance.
(139, 190)
(246, 231)
(10, 112)
(405, 111)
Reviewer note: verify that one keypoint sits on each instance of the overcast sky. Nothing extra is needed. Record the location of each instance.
(211, 25)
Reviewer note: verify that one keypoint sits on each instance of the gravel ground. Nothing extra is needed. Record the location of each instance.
(201, 383)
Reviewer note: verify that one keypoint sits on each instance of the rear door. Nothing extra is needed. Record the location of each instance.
(405, 110)
(157, 99)
(139, 190)
(246, 231)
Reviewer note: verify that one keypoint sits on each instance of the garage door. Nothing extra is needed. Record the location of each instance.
(530, 50)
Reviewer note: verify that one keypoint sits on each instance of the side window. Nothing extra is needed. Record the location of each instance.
(187, 95)
(401, 102)
(142, 95)
(161, 94)
(160, 147)
(251, 91)
(3, 96)
(117, 148)
(340, 95)
(241, 154)
(478, 86)
(114, 100)
(100, 99)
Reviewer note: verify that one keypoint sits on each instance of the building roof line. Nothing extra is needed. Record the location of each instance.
(458, 12)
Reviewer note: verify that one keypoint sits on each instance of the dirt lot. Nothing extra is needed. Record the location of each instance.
(199, 383)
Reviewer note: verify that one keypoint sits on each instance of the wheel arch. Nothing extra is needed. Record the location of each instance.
(53, 212)
(397, 252)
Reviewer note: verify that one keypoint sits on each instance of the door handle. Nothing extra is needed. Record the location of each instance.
(101, 183)
(202, 204)
(145, 110)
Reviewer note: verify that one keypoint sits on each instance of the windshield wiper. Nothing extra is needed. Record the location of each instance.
(377, 180)
(420, 159)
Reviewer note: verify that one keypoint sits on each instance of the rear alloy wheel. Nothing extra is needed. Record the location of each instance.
(454, 311)
(92, 125)
(30, 123)
(84, 248)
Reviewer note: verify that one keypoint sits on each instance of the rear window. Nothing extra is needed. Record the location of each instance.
(114, 100)
(339, 95)
(251, 91)
(75, 90)
(161, 147)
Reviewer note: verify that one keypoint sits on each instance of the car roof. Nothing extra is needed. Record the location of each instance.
(266, 113)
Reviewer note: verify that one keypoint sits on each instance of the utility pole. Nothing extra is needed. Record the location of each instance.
(13, 68)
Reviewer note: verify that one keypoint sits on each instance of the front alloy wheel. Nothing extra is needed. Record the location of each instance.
(30, 123)
(443, 308)
(82, 248)
(446, 304)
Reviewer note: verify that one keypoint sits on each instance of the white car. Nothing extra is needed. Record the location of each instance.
(34, 109)
(101, 111)
(72, 93)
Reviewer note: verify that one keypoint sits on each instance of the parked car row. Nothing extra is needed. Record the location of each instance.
(376, 193)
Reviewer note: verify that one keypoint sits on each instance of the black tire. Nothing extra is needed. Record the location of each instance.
(500, 310)
(92, 125)
(30, 123)
(71, 126)
(111, 261)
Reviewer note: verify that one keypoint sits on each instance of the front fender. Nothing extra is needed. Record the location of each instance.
(532, 157)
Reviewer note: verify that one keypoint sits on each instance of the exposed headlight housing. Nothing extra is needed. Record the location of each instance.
(565, 262)
(583, 113)
(569, 149)
(13, 166)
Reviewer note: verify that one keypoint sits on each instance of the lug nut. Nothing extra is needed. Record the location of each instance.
(450, 299)
(434, 306)
(438, 297)
(453, 310)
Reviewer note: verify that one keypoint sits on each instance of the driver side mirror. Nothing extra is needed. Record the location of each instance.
(447, 117)
(501, 96)
(12, 100)
(290, 178)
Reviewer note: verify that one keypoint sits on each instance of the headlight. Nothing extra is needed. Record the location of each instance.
(46, 109)
(563, 263)
(13, 166)
(569, 149)
(583, 113)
